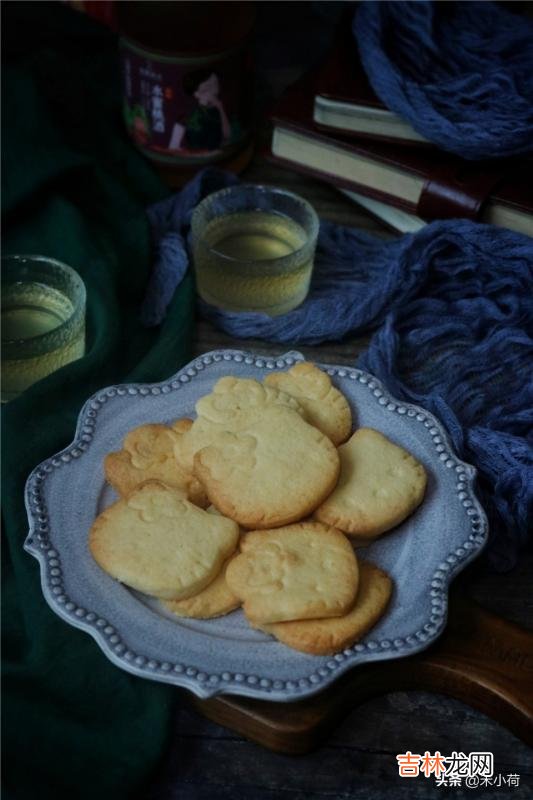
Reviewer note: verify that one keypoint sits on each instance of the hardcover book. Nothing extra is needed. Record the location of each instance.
(345, 101)
(425, 183)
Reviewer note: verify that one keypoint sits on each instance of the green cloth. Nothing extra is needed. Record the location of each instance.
(75, 725)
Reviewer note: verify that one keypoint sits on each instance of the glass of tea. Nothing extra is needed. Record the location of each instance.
(253, 248)
(43, 320)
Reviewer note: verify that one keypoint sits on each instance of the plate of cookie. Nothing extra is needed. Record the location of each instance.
(253, 525)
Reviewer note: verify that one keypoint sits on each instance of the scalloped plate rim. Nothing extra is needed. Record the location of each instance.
(203, 689)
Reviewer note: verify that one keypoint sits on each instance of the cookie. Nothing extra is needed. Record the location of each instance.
(148, 454)
(215, 600)
(195, 490)
(327, 636)
(275, 471)
(181, 425)
(380, 484)
(158, 542)
(301, 571)
(324, 406)
(231, 406)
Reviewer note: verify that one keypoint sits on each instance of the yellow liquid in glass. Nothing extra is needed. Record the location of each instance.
(240, 271)
(30, 310)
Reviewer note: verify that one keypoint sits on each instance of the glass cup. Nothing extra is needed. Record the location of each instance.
(253, 248)
(43, 320)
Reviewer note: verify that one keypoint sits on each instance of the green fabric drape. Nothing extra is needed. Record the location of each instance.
(74, 188)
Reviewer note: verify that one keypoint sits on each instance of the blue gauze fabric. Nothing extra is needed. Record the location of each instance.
(460, 73)
(453, 310)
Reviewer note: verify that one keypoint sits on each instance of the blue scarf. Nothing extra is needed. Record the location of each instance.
(452, 309)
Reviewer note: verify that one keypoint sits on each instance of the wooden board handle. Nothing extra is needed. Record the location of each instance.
(487, 662)
(480, 659)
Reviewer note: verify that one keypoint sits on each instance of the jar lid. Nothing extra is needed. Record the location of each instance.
(186, 28)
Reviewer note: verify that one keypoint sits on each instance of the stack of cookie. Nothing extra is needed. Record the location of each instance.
(287, 487)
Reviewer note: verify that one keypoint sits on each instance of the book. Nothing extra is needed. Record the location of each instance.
(395, 218)
(346, 102)
(425, 183)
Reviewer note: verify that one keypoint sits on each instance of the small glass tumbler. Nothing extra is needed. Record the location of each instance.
(253, 248)
(43, 320)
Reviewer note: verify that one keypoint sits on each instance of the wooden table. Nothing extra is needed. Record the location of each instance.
(358, 760)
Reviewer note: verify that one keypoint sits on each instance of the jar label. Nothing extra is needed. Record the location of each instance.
(182, 109)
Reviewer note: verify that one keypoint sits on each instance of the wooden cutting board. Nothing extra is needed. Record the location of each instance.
(480, 659)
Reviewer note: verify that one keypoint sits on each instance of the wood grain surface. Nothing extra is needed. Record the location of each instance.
(354, 757)
(481, 659)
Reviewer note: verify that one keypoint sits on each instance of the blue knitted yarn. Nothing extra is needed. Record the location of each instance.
(168, 219)
(461, 73)
(453, 308)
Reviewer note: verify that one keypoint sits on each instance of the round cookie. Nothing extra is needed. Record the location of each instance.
(328, 636)
(324, 406)
(148, 454)
(274, 471)
(158, 542)
(231, 406)
(380, 484)
(301, 571)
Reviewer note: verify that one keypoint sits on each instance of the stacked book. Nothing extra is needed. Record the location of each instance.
(331, 125)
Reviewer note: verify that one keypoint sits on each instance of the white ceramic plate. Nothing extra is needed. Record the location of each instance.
(209, 657)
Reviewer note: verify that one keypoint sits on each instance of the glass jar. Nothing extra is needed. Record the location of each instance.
(43, 320)
(186, 76)
(253, 248)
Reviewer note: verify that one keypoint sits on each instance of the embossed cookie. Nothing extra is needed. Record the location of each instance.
(215, 600)
(231, 406)
(158, 542)
(379, 486)
(328, 636)
(148, 454)
(275, 470)
(232, 397)
(195, 490)
(181, 425)
(301, 571)
(324, 406)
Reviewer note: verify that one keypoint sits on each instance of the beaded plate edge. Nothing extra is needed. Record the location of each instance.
(190, 677)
